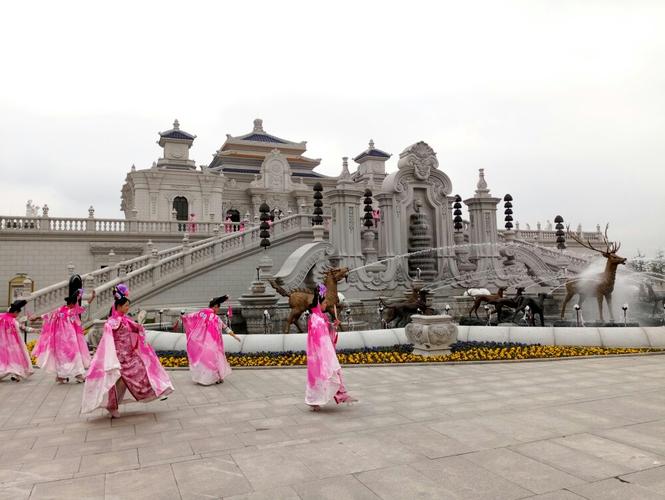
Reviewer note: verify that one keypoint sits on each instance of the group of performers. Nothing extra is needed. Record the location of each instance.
(124, 361)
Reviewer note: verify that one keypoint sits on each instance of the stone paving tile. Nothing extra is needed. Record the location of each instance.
(83, 488)
(279, 493)
(613, 489)
(109, 462)
(272, 467)
(575, 462)
(652, 479)
(461, 478)
(334, 488)
(400, 482)
(157, 483)
(210, 478)
(526, 472)
(629, 457)
(164, 452)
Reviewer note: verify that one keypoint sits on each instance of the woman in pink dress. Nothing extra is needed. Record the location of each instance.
(205, 346)
(14, 357)
(62, 348)
(123, 362)
(324, 374)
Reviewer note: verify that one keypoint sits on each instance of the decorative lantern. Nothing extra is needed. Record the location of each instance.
(508, 212)
(317, 220)
(368, 210)
(560, 235)
(457, 213)
(264, 227)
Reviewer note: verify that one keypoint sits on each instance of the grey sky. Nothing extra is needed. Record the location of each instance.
(562, 102)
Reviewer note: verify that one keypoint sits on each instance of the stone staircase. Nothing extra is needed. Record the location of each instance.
(146, 273)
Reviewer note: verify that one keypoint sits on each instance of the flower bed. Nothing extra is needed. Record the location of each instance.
(399, 354)
(461, 351)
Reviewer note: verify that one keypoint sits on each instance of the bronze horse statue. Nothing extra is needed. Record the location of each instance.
(300, 299)
(401, 312)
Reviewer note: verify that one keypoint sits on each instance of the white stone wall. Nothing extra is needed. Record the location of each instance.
(232, 279)
(45, 259)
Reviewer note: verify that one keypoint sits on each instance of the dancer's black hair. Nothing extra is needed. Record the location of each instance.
(317, 299)
(217, 301)
(17, 305)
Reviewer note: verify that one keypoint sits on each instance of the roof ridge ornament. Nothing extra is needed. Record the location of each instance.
(258, 125)
(371, 144)
(176, 124)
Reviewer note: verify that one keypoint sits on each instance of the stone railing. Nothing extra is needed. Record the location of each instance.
(550, 236)
(551, 255)
(72, 225)
(147, 272)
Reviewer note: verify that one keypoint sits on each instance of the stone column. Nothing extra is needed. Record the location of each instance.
(345, 201)
(482, 211)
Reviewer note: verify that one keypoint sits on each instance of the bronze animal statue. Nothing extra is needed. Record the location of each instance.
(535, 307)
(654, 297)
(401, 312)
(600, 285)
(510, 302)
(300, 299)
(490, 299)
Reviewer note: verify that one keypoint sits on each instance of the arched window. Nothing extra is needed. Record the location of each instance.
(181, 207)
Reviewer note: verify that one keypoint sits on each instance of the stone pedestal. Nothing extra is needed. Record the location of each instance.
(431, 335)
(368, 249)
(257, 301)
(318, 231)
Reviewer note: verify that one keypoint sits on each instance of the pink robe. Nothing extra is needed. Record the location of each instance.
(123, 361)
(205, 347)
(324, 374)
(14, 357)
(62, 348)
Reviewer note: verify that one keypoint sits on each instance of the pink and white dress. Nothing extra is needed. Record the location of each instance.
(324, 374)
(123, 362)
(205, 347)
(14, 357)
(62, 348)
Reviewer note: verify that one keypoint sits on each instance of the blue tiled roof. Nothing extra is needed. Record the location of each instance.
(263, 138)
(177, 134)
(377, 153)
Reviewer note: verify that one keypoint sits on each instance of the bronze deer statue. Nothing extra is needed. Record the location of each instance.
(600, 285)
(299, 300)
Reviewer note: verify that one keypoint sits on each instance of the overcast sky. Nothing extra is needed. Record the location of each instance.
(562, 102)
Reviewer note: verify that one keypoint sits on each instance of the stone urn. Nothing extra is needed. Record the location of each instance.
(431, 335)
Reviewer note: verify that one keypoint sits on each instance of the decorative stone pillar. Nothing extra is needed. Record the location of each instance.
(345, 201)
(482, 211)
(91, 212)
(431, 335)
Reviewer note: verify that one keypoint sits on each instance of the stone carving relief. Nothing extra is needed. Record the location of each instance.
(421, 157)
(275, 174)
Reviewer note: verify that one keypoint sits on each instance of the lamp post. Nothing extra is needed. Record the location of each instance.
(161, 311)
(577, 313)
(182, 324)
(625, 311)
(489, 317)
(447, 308)
(382, 322)
(349, 321)
(266, 321)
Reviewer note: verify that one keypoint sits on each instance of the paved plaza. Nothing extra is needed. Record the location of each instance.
(584, 428)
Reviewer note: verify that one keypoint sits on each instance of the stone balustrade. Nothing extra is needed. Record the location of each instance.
(75, 225)
(147, 272)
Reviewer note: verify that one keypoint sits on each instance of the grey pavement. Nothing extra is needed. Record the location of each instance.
(578, 428)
